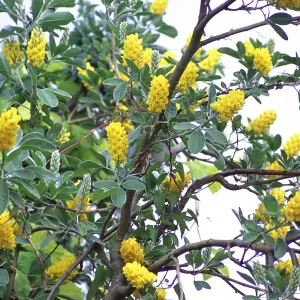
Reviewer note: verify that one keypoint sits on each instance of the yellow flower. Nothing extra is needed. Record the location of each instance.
(277, 232)
(63, 137)
(137, 275)
(262, 61)
(77, 182)
(7, 237)
(16, 227)
(274, 166)
(292, 146)
(147, 56)
(127, 124)
(133, 50)
(229, 105)
(249, 49)
(188, 78)
(260, 214)
(85, 74)
(284, 4)
(36, 48)
(158, 7)
(54, 272)
(198, 52)
(168, 54)
(263, 122)
(291, 211)
(176, 183)
(161, 294)
(131, 251)
(117, 141)
(158, 96)
(287, 265)
(12, 52)
(74, 204)
(9, 124)
(208, 63)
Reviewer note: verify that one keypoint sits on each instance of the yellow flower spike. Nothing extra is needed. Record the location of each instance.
(9, 124)
(85, 74)
(133, 50)
(161, 294)
(228, 105)
(285, 4)
(117, 141)
(147, 56)
(198, 52)
(54, 272)
(63, 137)
(84, 206)
(292, 146)
(291, 211)
(131, 251)
(274, 166)
(127, 125)
(176, 184)
(12, 52)
(263, 122)
(262, 61)
(208, 63)
(188, 78)
(158, 96)
(137, 275)
(7, 236)
(36, 48)
(287, 265)
(277, 233)
(158, 7)
(249, 49)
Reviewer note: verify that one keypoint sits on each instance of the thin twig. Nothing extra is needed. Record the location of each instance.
(178, 277)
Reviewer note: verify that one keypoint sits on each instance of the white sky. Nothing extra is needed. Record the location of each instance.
(216, 218)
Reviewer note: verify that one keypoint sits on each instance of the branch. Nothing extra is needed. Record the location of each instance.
(238, 30)
(178, 277)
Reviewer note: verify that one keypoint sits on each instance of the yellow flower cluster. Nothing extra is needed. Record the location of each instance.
(161, 294)
(208, 63)
(249, 49)
(287, 265)
(198, 52)
(63, 137)
(36, 48)
(133, 50)
(263, 122)
(147, 56)
(12, 52)
(168, 54)
(260, 211)
(229, 104)
(9, 124)
(137, 275)
(274, 166)
(158, 96)
(292, 146)
(55, 271)
(176, 183)
(7, 237)
(117, 141)
(291, 211)
(132, 251)
(85, 74)
(284, 4)
(74, 204)
(158, 7)
(127, 124)
(277, 232)
(262, 61)
(188, 78)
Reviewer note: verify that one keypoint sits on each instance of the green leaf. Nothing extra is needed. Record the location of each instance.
(56, 19)
(88, 164)
(63, 3)
(133, 185)
(72, 52)
(42, 172)
(118, 197)
(108, 184)
(38, 145)
(247, 277)
(46, 240)
(47, 97)
(171, 111)
(70, 290)
(184, 126)
(21, 286)
(36, 6)
(3, 196)
(270, 203)
(199, 285)
(216, 136)
(4, 277)
(279, 31)
(168, 30)
(4, 67)
(120, 91)
(196, 142)
(113, 81)
(251, 236)
(241, 49)
(281, 18)
(229, 51)
(133, 135)
(59, 92)
(89, 226)
(280, 248)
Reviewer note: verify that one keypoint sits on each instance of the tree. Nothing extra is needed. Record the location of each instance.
(106, 137)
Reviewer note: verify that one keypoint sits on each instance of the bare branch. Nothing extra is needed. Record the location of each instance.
(178, 277)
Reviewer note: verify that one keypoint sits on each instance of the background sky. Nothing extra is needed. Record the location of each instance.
(216, 219)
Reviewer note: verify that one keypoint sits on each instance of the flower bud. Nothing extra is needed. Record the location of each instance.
(259, 273)
(155, 60)
(55, 162)
(123, 30)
